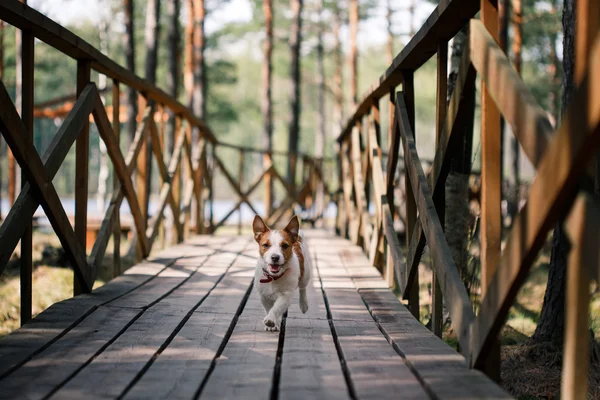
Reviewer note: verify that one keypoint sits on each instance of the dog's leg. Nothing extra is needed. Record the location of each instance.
(267, 303)
(303, 301)
(273, 319)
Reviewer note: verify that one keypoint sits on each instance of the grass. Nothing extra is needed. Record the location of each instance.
(52, 281)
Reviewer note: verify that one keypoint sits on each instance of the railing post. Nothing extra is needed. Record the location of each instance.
(394, 143)
(25, 107)
(267, 162)
(176, 183)
(141, 175)
(81, 172)
(240, 181)
(491, 218)
(439, 198)
(411, 206)
(116, 116)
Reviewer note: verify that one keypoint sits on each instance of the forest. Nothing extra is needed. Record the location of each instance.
(286, 76)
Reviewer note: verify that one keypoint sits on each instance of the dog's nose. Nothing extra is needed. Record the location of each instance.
(275, 258)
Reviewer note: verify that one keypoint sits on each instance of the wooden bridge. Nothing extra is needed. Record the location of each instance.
(185, 323)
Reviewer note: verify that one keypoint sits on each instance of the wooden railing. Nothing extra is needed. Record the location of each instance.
(560, 191)
(188, 177)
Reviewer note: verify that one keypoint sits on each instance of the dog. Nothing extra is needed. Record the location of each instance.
(284, 265)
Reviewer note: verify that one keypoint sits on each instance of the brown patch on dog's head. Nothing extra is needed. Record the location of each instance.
(292, 229)
(286, 244)
(262, 234)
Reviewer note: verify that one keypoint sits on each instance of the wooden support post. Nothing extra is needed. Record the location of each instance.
(25, 107)
(201, 172)
(394, 148)
(411, 206)
(82, 147)
(176, 186)
(491, 218)
(211, 192)
(116, 103)
(161, 135)
(141, 176)
(439, 198)
(240, 181)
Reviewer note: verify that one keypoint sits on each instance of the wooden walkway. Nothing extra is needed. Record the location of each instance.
(187, 324)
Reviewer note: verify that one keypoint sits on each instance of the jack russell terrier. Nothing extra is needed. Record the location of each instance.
(284, 265)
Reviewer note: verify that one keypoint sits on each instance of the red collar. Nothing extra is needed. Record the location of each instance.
(268, 277)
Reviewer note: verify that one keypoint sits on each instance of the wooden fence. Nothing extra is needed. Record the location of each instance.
(187, 176)
(560, 192)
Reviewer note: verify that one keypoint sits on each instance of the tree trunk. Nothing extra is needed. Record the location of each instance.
(320, 137)
(550, 326)
(513, 174)
(457, 184)
(338, 94)
(199, 105)
(104, 169)
(390, 34)
(173, 37)
(129, 46)
(353, 57)
(267, 104)
(294, 125)
(151, 35)
(188, 73)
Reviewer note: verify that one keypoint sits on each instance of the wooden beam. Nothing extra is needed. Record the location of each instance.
(99, 248)
(26, 98)
(566, 159)
(12, 228)
(460, 102)
(82, 150)
(114, 152)
(15, 134)
(452, 286)
(116, 92)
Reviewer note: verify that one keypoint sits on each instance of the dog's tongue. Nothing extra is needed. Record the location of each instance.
(274, 268)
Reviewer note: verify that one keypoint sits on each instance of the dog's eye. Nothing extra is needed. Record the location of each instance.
(265, 245)
(285, 246)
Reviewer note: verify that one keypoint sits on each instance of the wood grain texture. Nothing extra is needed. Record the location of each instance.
(310, 367)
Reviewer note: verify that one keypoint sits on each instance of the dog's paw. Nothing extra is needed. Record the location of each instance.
(303, 306)
(270, 324)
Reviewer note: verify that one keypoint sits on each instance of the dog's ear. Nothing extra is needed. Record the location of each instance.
(292, 228)
(259, 227)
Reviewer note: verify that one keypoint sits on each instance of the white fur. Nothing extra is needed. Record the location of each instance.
(276, 296)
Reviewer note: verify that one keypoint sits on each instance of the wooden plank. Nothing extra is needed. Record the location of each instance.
(246, 363)
(443, 23)
(441, 371)
(21, 345)
(48, 31)
(117, 367)
(310, 367)
(377, 371)
(549, 195)
(452, 286)
(142, 182)
(12, 228)
(26, 111)
(55, 364)
(15, 135)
